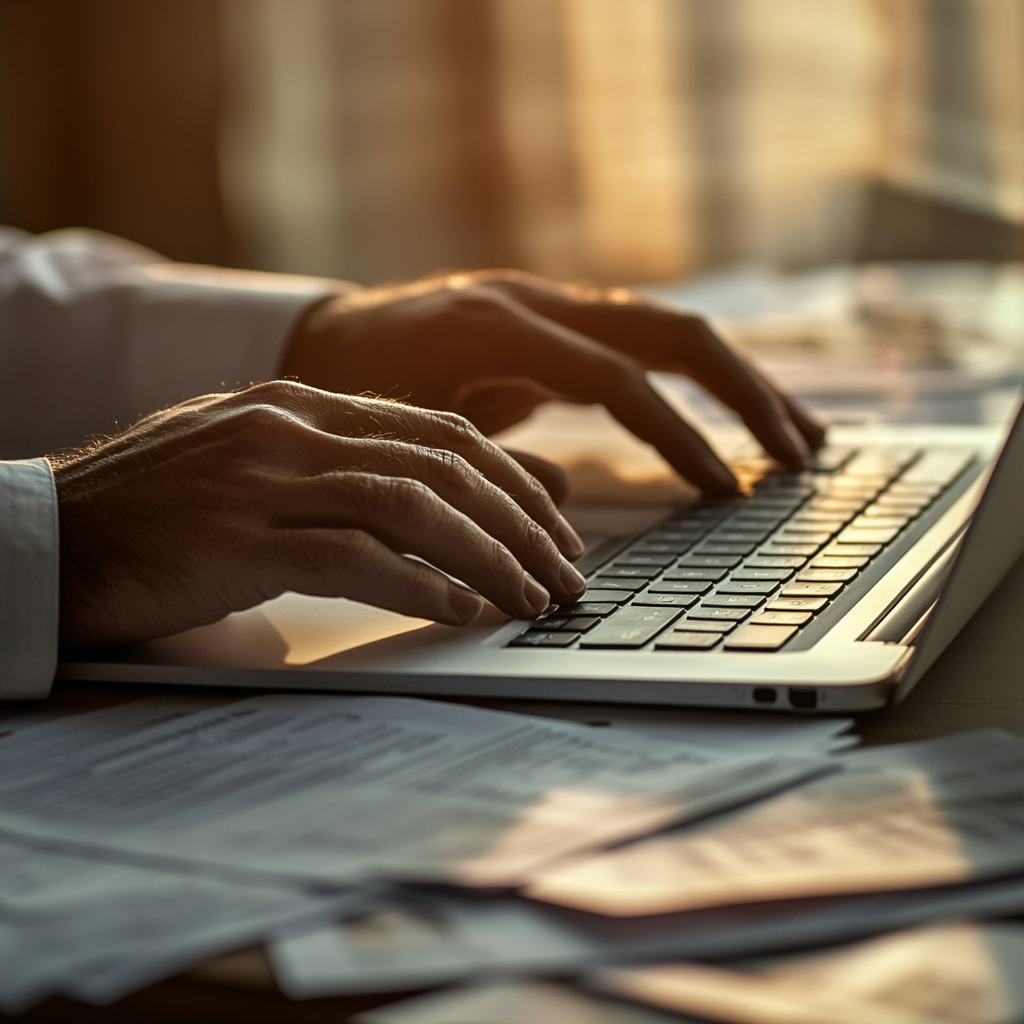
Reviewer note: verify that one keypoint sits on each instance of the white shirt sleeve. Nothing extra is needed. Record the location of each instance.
(29, 579)
(96, 331)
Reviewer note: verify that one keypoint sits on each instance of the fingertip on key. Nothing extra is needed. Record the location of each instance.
(536, 596)
(571, 579)
(568, 540)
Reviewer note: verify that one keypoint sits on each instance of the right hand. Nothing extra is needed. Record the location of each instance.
(223, 502)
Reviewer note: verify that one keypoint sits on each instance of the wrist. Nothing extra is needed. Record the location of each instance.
(313, 339)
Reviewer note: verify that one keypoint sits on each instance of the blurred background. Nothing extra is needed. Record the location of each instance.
(838, 178)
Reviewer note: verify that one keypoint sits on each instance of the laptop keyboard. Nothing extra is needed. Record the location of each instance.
(748, 574)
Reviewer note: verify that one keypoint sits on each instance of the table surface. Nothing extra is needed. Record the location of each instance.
(977, 682)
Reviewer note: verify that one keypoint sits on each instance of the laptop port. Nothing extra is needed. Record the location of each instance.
(804, 699)
(764, 695)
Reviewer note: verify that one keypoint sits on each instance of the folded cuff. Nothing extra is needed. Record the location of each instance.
(29, 579)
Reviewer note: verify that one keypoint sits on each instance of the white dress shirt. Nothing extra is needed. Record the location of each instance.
(95, 332)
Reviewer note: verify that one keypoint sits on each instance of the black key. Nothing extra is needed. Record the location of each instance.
(704, 626)
(687, 641)
(714, 575)
(650, 600)
(853, 550)
(781, 618)
(831, 457)
(817, 538)
(837, 562)
(748, 587)
(779, 506)
(737, 537)
(683, 539)
(729, 614)
(810, 589)
(588, 608)
(631, 628)
(550, 622)
(756, 518)
(826, 575)
(631, 572)
(679, 587)
(581, 624)
(759, 638)
(608, 583)
(782, 550)
(796, 604)
(658, 549)
(776, 562)
(711, 548)
(536, 638)
(708, 561)
(733, 601)
(760, 574)
(601, 597)
(645, 559)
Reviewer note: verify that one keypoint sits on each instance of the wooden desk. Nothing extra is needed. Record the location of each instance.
(978, 681)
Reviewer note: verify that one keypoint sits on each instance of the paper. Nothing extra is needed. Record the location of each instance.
(340, 790)
(948, 974)
(925, 814)
(420, 939)
(97, 930)
(414, 939)
(513, 1003)
(745, 733)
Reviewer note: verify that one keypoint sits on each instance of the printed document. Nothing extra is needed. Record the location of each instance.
(947, 974)
(344, 789)
(910, 816)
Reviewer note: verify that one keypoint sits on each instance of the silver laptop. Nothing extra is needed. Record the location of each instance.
(831, 591)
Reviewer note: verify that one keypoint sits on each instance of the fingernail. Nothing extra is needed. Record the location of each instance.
(570, 578)
(464, 603)
(568, 540)
(536, 596)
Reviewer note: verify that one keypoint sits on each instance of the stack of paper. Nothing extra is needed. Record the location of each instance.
(383, 844)
(902, 836)
(139, 838)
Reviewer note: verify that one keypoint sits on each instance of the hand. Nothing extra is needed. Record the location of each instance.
(493, 345)
(218, 504)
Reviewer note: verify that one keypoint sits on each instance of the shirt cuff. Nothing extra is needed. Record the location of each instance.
(29, 579)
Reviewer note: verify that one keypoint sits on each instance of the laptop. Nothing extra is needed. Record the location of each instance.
(831, 590)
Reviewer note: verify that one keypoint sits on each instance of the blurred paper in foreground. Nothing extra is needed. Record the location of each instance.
(912, 816)
(951, 974)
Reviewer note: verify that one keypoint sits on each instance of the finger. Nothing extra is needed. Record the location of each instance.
(661, 338)
(408, 517)
(578, 368)
(553, 477)
(354, 416)
(495, 407)
(813, 431)
(457, 484)
(353, 564)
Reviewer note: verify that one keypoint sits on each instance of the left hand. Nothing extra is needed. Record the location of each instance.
(493, 345)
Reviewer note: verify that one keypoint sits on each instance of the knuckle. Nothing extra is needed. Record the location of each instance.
(261, 420)
(476, 302)
(278, 391)
(406, 498)
(355, 546)
(458, 432)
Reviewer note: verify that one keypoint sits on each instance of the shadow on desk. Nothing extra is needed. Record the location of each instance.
(978, 682)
